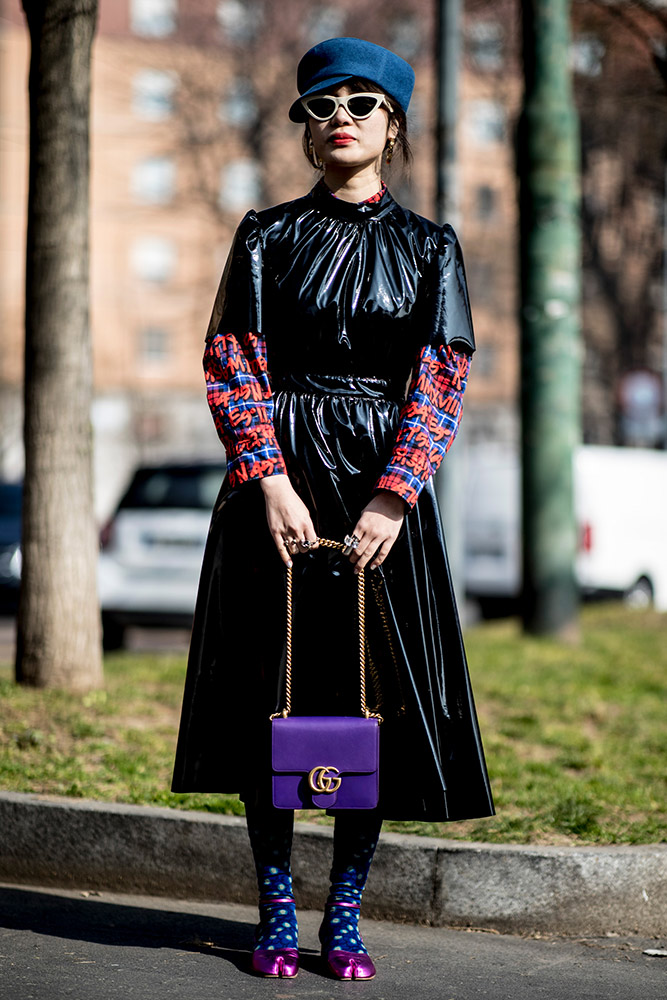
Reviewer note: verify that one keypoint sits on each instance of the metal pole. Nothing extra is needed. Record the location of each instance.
(448, 47)
(548, 167)
(449, 480)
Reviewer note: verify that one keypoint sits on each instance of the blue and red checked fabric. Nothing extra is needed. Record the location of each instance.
(374, 198)
(240, 398)
(430, 419)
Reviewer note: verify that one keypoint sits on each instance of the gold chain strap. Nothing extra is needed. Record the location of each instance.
(327, 543)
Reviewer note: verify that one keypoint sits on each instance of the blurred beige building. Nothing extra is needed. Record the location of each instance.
(182, 146)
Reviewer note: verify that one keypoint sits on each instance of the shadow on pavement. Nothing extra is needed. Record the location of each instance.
(93, 920)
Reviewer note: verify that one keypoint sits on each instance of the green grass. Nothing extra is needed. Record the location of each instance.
(574, 735)
(115, 745)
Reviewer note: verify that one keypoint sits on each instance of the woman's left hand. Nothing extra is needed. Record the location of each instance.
(377, 529)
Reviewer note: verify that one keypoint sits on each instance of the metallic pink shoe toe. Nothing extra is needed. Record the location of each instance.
(280, 963)
(349, 964)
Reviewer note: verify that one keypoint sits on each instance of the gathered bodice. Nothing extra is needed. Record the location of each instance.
(341, 288)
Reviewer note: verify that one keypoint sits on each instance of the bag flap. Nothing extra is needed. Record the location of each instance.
(348, 743)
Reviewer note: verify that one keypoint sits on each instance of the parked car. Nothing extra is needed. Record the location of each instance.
(152, 548)
(10, 545)
(619, 505)
(620, 498)
(492, 535)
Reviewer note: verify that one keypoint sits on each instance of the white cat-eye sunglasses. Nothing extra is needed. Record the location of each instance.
(323, 107)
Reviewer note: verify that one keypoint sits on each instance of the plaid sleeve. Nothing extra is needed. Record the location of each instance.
(240, 399)
(429, 421)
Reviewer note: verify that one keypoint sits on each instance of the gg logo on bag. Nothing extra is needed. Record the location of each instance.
(324, 779)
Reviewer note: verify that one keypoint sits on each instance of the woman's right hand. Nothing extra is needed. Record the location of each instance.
(288, 518)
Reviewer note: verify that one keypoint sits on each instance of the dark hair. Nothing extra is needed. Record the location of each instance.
(397, 117)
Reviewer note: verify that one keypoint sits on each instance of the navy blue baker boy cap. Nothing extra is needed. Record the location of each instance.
(330, 63)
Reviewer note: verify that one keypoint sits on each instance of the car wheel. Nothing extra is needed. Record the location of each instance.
(639, 595)
(113, 634)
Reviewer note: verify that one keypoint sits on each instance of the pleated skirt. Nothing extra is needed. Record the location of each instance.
(336, 435)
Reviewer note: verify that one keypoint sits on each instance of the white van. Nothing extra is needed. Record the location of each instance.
(620, 503)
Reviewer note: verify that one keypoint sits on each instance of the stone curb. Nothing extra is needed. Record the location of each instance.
(191, 855)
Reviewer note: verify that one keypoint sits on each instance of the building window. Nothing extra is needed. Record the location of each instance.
(153, 94)
(418, 115)
(485, 202)
(150, 426)
(239, 185)
(481, 280)
(586, 54)
(153, 180)
(239, 107)
(486, 121)
(239, 21)
(485, 363)
(153, 345)
(406, 35)
(153, 18)
(153, 258)
(326, 21)
(485, 44)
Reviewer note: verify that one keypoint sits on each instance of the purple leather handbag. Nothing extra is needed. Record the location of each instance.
(325, 761)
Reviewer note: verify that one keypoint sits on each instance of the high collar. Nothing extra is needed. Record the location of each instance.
(328, 203)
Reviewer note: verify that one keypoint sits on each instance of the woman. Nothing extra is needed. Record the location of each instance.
(336, 359)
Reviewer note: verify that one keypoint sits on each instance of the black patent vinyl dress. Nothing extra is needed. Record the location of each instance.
(344, 303)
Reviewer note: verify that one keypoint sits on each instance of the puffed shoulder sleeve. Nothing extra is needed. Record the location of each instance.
(431, 414)
(238, 304)
(448, 317)
(238, 387)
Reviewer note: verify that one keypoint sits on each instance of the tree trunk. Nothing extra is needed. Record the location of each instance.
(548, 158)
(59, 635)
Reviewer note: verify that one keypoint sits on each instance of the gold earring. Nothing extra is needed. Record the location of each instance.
(390, 151)
(314, 158)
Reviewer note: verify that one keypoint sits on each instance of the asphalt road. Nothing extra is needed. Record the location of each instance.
(57, 944)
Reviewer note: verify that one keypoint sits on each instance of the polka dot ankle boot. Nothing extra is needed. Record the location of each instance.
(343, 948)
(276, 938)
(277, 935)
(355, 840)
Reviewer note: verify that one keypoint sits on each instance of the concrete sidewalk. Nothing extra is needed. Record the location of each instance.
(189, 855)
(83, 945)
